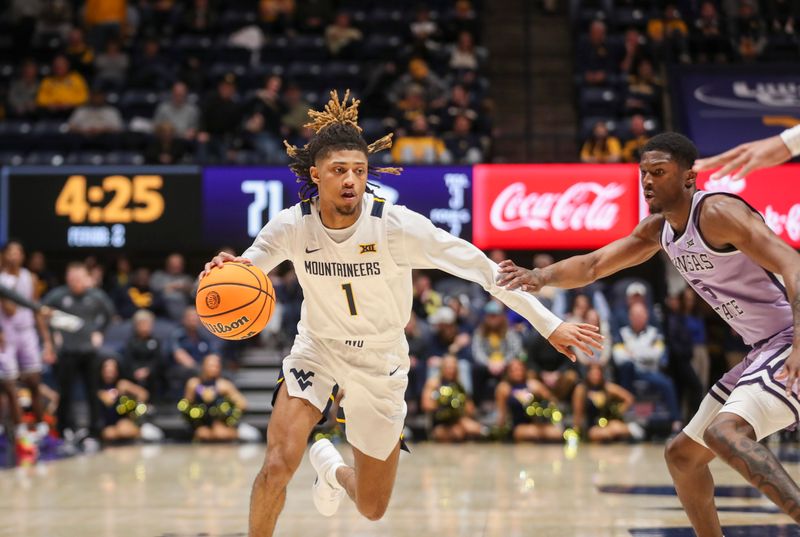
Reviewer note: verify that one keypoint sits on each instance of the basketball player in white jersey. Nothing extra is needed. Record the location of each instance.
(751, 156)
(353, 254)
(21, 353)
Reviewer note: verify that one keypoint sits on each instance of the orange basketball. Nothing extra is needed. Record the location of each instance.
(235, 301)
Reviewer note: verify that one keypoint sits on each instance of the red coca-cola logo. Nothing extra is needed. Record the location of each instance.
(568, 206)
(589, 206)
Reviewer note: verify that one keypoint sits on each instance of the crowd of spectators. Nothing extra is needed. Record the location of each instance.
(624, 48)
(478, 370)
(206, 81)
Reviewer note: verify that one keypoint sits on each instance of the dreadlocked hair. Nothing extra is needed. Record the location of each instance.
(335, 129)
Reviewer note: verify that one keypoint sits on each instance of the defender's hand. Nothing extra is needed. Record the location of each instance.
(582, 336)
(514, 277)
(746, 158)
(790, 374)
(220, 259)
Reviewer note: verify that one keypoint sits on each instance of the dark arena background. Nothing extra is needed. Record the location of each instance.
(141, 137)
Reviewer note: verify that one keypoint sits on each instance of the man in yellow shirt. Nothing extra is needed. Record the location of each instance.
(62, 91)
(420, 146)
(632, 150)
(600, 147)
(105, 20)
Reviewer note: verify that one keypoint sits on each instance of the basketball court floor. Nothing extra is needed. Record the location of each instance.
(442, 491)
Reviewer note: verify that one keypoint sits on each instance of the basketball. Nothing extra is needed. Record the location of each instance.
(235, 301)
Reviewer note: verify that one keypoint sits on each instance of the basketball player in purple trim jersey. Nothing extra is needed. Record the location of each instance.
(751, 278)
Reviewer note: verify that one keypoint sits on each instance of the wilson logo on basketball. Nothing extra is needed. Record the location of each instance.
(212, 300)
(220, 328)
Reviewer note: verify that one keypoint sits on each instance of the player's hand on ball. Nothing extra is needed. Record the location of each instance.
(746, 158)
(220, 259)
(790, 374)
(514, 277)
(581, 336)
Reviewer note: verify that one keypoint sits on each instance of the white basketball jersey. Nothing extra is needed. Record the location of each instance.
(360, 289)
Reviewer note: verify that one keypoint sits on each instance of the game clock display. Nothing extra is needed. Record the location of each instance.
(136, 208)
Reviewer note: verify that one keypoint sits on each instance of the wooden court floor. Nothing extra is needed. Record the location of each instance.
(441, 491)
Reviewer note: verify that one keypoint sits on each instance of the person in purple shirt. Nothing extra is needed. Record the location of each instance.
(730, 257)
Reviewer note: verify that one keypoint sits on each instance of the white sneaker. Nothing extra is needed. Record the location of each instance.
(326, 491)
(151, 433)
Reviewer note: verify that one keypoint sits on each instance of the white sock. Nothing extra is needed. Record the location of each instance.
(330, 476)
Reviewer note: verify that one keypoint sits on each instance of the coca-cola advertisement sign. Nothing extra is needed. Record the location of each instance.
(553, 206)
(775, 192)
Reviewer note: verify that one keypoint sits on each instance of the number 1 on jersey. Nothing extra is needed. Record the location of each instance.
(351, 301)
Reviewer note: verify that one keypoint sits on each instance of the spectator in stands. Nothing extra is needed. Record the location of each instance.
(599, 408)
(174, 285)
(220, 117)
(79, 53)
(643, 94)
(434, 89)
(640, 355)
(449, 405)
(152, 71)
(215, 392)
(182, 115)
(459, 104)
(341, 37)
(55, 20)
(165, 147)
(424, 30)
(595, 57)
(143, 353)
(275, 17)
(669, 35)
(45, 279)
(137, 295)
(200, 19)
(77, 351)
(463, 19)
(22, 91)
(296, 110)
(709, 42)
(263, 119)
(121, 400)
(697, 329)
(603, 355)
(463, 145)
(494, 345)
(63, 90)
(635, 51)
(105, 20)
(313, 15)
(448, 339)
(600, 147)
(463, 54)
(418, 337)
(420, 146)
(782, 15)
(749, 32)
(556, 373)
(522, 402)
(188, 345)
(632, 150)
(412, 105)
(679, 348)
(111, 66)
(96, 117)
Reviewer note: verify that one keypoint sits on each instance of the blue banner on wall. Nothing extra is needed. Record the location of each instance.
(721, 107)
(237, 201)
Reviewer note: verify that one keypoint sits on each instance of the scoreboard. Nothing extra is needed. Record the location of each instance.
(136, 208)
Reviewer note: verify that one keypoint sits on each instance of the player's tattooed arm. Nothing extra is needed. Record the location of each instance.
(733, 442)
(581, 270)
(728, 221)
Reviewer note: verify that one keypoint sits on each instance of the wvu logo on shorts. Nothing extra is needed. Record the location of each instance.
(302, 378)
(368, 248)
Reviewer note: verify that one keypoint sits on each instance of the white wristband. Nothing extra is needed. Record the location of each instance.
(791, 137)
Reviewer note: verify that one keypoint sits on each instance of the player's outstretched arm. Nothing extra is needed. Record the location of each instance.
(424, 245)
(729, 221)
(751, 156)
(581, 270)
